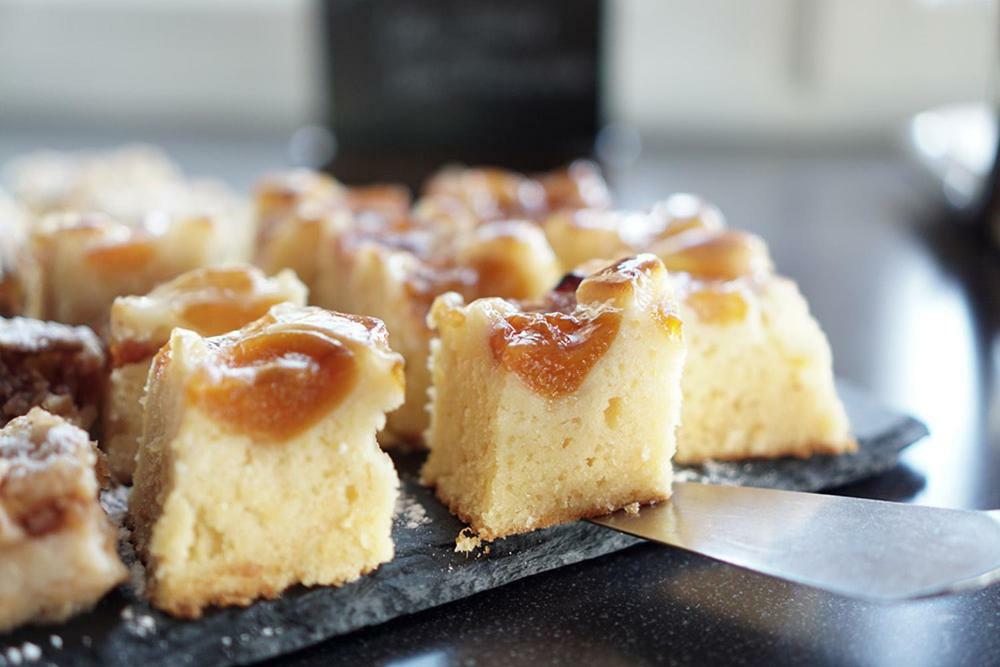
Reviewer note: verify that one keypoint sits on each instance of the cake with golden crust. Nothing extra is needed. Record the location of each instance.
(758, 381)
(129, 184)
(54, 366)
(86, 260)
(556, 410)
(209, 301)
(293, 209)
(57, 547)
(394, 268)
(492, 193)
(258, 467)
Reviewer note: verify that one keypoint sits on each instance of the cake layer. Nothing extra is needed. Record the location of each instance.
(258, 467)
(208, 301)
(86, 260)
(394, 269)
(758, 380)
(556, 410)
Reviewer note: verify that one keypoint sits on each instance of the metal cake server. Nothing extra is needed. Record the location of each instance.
(867, 549)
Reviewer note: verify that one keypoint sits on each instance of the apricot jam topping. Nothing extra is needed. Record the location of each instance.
(389, 201)
(716, 306)
(552, 353)
(278, 194)
(215, 300)
(221, 278)
(670, 323)
(276, 385)
(211, 318)
(725, 256)
(122, 257)
(580, 185)
(683, 212)
(500, 276)
(617, 281)
(428, 282)
(490, 192)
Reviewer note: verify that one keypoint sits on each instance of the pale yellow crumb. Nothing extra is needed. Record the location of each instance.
(467, 541)
(632, 509)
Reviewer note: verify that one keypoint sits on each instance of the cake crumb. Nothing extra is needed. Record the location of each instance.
(632, 509)
(467, 541)
(56, 641)
(267, 632)
(227, 641)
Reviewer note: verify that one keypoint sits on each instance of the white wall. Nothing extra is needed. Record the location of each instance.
(828, 67)
(219, 63)
(678, 68)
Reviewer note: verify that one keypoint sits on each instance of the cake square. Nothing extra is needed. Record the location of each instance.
(393, 270)
(548, 412)
(57, 547)
(258, 467)
(209, 301)
(125, 182)
(293, 209)
(758, 382)
(86, 260)
(492, 193)
(54, 366)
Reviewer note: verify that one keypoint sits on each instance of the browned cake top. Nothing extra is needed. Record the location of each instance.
(109, 247)
(210, 301)
(496, 194)
(46, 478)
(483, 262)
(580, 185)
(387, 200)
(280, 375)
(282, 194)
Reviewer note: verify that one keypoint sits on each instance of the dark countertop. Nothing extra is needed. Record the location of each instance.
(911, 304)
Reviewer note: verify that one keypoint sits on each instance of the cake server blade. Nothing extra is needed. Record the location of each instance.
(866, 549)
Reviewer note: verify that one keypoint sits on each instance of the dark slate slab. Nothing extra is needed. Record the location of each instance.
(426, 572)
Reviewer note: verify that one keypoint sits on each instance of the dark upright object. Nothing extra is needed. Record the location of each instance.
(511, 83)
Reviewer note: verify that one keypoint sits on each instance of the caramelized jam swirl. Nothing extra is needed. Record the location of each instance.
(279, 376)
(277, 385)
(552, 353)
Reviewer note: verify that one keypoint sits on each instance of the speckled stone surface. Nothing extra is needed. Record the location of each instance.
(426, 572)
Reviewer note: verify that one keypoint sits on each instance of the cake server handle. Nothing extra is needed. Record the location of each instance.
(866, 549)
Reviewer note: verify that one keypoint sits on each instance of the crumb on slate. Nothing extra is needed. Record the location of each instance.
(467, 541)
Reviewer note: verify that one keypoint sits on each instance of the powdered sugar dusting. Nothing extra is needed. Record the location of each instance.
(409, 512)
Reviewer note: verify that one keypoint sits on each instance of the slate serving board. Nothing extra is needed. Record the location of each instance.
(426, 571)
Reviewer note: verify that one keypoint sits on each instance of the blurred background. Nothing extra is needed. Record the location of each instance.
(857, 137)
(771, 74)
